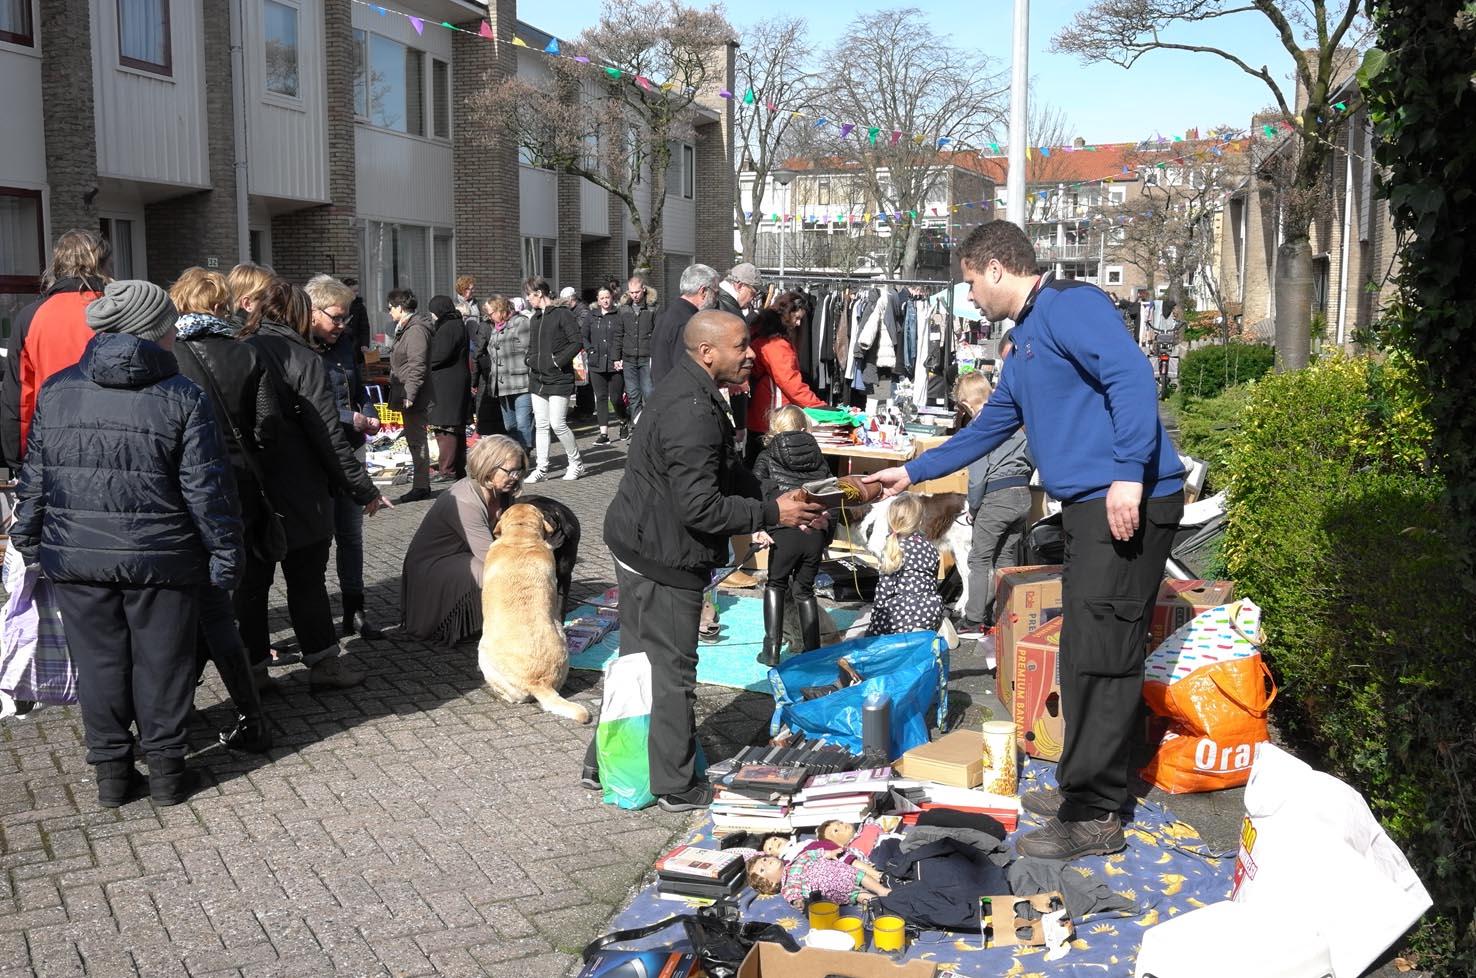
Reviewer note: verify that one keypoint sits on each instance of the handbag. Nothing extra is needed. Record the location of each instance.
(34, 661)
(270, 543)
(717, 935)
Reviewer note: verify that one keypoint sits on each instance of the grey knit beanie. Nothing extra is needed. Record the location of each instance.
(133, 306)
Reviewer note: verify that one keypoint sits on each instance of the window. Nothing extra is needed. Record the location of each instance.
(681, 171)
(361, 74)
(445, 277)
(279, 27)
(822, 190)
(395, 87)
(15, 22)
(22, 248)
(689, 171)
(119, 233)
(440, 98)
(540, 257)
(1117, 195)
(1114, 275)
(143, 35)
(255, 245)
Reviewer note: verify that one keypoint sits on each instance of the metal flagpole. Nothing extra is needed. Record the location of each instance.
(1019, 97)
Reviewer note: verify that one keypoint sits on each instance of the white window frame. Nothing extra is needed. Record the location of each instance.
(294, 97)
(1113, 275)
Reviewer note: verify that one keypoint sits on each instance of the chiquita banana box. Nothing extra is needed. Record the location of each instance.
(1039, 725)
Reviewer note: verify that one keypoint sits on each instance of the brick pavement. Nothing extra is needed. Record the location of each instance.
(413, 826)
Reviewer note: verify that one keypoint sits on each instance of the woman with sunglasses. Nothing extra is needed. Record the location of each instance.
(441, 583)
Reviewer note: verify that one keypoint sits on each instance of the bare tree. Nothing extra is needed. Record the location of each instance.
(1319, 35)
(615, 104)
(772, 85)
(1045, 126)
(911, 95)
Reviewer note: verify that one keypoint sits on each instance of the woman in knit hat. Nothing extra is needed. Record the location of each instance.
(126, 501)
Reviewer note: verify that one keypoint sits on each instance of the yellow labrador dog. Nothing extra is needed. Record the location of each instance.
(522, 654)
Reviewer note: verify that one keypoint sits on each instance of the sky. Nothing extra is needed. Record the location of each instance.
(1165, 93)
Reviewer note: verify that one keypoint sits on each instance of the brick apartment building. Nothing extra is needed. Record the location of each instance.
(314, 136)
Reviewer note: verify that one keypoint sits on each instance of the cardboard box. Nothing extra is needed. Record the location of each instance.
(1039, 726)
(955, 759)
(1180, 601)
(955, 482)
(766, 960)
(1025, 598)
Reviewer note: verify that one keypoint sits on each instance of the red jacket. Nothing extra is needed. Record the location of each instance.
(48, 337)
(775, 381)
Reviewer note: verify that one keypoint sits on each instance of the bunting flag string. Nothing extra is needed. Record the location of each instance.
(484, 30)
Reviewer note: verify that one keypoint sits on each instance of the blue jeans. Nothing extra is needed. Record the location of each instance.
(517, 417)
(638, 385)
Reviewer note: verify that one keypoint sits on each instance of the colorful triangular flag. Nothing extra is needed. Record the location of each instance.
(552, 47)
(846, 129)
(418, 24)
(872, 133)
(486, 31)
(748, 96)
(518, 42)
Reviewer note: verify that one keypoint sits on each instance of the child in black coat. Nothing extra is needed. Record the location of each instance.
(789, 459)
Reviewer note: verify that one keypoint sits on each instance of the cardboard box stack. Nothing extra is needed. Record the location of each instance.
(1180, 601)
(1025, 598)
(1036, 701)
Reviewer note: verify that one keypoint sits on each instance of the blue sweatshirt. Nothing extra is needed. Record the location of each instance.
(1085, 394)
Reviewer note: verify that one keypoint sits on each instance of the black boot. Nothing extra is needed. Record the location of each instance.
(118, 782)
(250, 732)
(773, 626)
(353, 617)
(809, 619)
(170, 781)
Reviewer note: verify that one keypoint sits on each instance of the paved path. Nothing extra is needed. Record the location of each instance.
(413, 826)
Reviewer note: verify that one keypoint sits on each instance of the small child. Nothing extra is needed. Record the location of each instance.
(999, 505)
(907, 592)
(791, 458)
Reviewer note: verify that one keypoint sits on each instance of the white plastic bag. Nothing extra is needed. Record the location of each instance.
(1312, 853)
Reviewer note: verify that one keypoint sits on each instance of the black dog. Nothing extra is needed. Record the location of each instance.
(564, 540)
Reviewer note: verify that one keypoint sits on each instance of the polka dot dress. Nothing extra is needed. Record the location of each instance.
(907, 599)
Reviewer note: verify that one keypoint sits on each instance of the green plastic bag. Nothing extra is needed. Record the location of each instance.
(625, 725)
(835, 416)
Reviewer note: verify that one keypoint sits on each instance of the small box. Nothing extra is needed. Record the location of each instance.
(955, 759)
(1036, 697)
(1024, 599)
(767, 960)
(1180, 601)
(953, 482)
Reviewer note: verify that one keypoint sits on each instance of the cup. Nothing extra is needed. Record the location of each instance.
(889, 933)
(854, 927)
(1000, 767)
(823, 915)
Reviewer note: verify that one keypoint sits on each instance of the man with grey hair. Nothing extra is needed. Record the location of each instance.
(699, 288)
(741, 286)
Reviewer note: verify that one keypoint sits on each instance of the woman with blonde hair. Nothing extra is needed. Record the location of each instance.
(248, 281)
(907, 591)
(999, 505)
(233, 379)
(309, 461)
(441, 584)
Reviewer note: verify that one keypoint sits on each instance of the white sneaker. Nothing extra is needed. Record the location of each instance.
(574, 471)
(537, 475)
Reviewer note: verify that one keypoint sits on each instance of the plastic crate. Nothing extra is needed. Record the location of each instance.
(387, 416)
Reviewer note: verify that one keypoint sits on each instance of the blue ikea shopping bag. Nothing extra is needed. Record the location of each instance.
(911, 668)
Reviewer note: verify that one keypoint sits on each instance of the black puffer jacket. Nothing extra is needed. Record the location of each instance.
(450, 371)
(685, 490)
(553, 343)
(126, 479)
(310, 459)
(633, 332)
(788, 461)
(601, 342)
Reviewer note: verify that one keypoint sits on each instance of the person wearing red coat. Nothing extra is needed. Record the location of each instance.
(776, 379)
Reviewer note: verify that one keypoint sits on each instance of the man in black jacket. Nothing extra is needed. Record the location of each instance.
(684, 492)
(699, 287)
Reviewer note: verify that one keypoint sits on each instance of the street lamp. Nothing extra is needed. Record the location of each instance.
(783, 177)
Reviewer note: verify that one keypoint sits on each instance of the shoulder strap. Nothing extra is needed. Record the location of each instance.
(241, 442)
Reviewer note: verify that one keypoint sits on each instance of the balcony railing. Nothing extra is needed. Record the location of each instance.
(1051, 251)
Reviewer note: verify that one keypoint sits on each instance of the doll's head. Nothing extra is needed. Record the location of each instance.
(773, 845)
(765, 874)
(834, 830)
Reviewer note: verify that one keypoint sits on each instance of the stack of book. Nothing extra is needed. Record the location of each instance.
(705, 874)
(912, 798)
(756, 798)
(849, 796)
(581, 633)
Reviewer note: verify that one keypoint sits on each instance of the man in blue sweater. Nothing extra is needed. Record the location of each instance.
(1086, 398)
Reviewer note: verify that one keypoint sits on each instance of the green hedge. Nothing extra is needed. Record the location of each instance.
(1206, 427)
(1337, 527)
(1207, 371)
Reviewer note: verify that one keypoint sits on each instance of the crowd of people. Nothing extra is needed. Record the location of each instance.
(175, 448)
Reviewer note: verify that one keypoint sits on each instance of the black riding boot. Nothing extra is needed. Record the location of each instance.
(773, 626)
(250, 732)
(809, 619)
(353, 617)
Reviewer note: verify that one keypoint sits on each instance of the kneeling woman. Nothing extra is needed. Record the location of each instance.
(441, 583)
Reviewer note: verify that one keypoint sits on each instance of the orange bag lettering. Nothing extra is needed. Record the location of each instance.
(1210, 685)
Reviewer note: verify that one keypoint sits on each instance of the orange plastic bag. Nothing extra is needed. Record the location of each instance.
(1211, 687)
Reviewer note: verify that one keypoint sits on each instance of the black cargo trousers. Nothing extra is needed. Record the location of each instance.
(1108, 591)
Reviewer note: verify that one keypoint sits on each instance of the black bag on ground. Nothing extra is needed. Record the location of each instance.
(717, 935)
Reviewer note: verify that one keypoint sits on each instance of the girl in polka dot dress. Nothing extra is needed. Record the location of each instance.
(907, 592)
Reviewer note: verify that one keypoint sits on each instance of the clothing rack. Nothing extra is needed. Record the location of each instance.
(841, 278)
